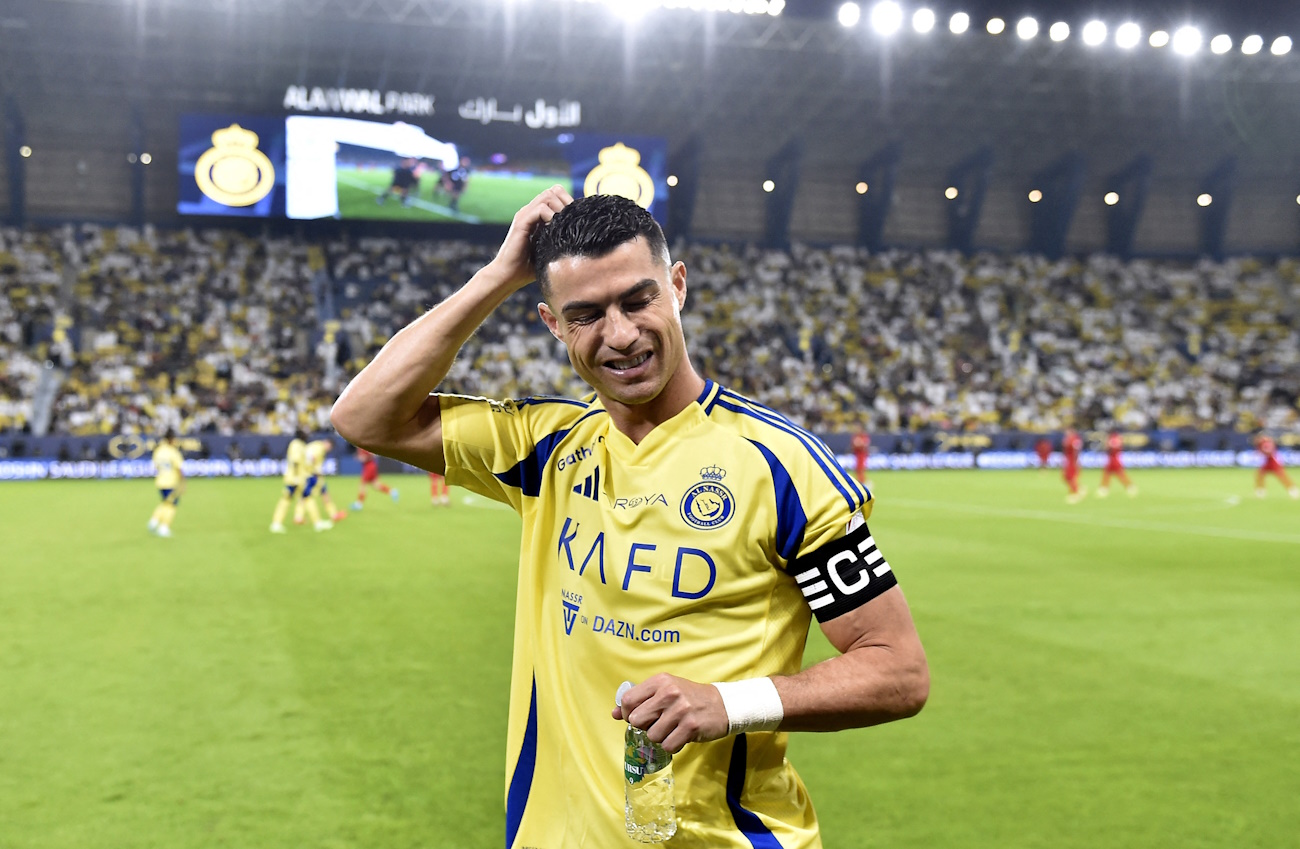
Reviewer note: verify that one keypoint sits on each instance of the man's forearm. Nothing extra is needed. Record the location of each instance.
(865, 686)
(381, 409)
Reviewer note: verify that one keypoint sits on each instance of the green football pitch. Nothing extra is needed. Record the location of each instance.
(1118, 673)
(488, 197)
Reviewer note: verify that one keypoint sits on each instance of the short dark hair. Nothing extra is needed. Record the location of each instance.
(593, 226)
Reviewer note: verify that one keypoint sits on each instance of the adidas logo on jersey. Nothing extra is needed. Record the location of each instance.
(590, 486)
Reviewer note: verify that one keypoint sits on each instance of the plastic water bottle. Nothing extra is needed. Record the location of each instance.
(650, 813)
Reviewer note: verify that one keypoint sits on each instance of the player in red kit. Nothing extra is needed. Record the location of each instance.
(370, 479)
(1071, 446)
(1115, 466)
(1272, 465)
(861, 450)
(1043, 448)
(438, 491)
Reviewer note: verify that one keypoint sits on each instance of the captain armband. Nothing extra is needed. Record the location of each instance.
(843, 574)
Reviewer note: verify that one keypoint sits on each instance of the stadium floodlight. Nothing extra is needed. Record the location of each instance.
(1252, 44)
(850, 14)
(959, 23)
(1281, 45)
(1027, 28)
(145, 158)
(1128, 35)
(1035, 196)
(132, 158)
(1187, 40)
(671, 181)
(1159, 38)
(1204, 199)
(995, 26)
(1094, 33)
(25, 152)
(1111, 198)
(775, 7)
(950, 193)
(1060, 31)
(923, 20)
(1221, 44)
(887, 17)
(768, 186)
(860, 188)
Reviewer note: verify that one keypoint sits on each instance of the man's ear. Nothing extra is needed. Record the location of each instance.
(548, 318)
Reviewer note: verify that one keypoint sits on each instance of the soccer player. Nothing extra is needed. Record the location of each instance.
(169, 477)
(405, 177)
(370, 478)
(439, 494)
(861, 449)
(675, 534)
(1115, 466)
(454, 182)
(1071, 447)
(315, 487)
(295, 475)
(1272, 466)
(1043, 448)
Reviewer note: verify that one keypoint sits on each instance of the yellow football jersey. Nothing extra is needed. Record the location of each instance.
(316, 452)
(691, 553)
(167, 462)
(295, 463)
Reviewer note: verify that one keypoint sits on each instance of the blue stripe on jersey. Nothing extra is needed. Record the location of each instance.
(708, 387)
(810, 439)
(527, 473)
(791, 521)
(758, 835)
(521, 783)
(548, 399)
(854, 503)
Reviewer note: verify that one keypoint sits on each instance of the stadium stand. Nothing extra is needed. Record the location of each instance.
(220, 332)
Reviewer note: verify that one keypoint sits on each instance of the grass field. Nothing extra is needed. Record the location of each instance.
(488, 197)
(1120, 673)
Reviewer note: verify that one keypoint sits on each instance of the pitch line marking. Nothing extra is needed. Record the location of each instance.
(1129, 524)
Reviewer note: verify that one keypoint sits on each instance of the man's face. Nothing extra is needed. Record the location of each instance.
(619, 317)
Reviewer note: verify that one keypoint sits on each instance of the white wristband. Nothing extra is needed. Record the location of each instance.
(752, 705)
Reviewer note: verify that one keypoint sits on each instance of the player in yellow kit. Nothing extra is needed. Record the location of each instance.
(169, 477)
(675, 534)
(315, 486)
(295, 478)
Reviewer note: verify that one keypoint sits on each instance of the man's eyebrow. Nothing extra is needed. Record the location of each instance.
(627, 293)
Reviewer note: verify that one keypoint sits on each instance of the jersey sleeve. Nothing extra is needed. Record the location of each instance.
(498, 448)
(836, 564)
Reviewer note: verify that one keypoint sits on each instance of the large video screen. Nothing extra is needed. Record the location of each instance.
(312, 167)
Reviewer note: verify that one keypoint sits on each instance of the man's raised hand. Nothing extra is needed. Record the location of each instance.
(514, 262)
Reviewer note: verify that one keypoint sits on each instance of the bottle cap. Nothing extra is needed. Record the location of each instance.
(622, 688)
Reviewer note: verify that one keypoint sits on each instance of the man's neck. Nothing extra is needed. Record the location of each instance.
(635, 421)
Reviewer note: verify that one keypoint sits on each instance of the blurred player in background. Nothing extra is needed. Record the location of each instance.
(1071, 447)
(454, 182)
(861, 452)
(1043, 448)
(370, 479)
(169, 477)
(1272, 466)
(317, 451)
(406, 176)
(1115, 466)
(295, 475)
(439, 494)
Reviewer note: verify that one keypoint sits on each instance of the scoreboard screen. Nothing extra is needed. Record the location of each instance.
(314, 167)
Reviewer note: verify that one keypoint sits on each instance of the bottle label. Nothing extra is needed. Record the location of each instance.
(640, 761)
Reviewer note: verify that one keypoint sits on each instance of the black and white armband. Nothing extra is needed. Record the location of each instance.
(843, 574)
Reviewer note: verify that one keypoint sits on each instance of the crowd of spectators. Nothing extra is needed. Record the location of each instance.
(217, 331)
